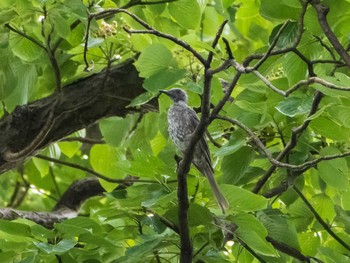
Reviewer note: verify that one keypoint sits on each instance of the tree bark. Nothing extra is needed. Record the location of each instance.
(79, 105)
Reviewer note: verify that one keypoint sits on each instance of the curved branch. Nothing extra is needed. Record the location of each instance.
(322, 12)
(87, 170)
(320, 220)
(10, 156)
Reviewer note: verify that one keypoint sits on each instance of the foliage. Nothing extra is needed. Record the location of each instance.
(306, 209)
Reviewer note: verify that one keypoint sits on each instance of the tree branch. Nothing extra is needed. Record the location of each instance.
(81, 104)
(322, 11)
(320, 220)
(131, 179)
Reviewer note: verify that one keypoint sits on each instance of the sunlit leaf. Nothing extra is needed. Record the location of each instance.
(187, 13)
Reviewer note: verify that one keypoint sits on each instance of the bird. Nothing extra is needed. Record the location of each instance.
(182, 122)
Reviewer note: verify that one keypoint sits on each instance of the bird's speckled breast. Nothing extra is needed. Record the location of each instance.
(178, 125)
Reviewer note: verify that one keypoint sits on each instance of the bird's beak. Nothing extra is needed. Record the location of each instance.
(164, 91)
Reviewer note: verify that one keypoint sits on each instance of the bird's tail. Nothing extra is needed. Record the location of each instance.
(216, 190)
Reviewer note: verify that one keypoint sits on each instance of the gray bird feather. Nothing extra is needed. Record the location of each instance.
(182, 122)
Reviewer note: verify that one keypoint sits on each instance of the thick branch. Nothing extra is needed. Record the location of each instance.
(82, 103)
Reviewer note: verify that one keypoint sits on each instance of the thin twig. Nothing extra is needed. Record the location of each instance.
(320, 220)
(36, 42)
(87, 170)
(216, 40)
(83, 140)
(273, 44)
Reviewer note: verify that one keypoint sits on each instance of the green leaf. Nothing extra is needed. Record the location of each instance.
(300, 214)
(104, 159)
(310, 242)
(154, 59)
(24, 48)
(334, 172)
(199, 215)
(77, 226)
(287, 37)
(69, 149)
(14, 228)
(295, 105)
(61, 25)
(57, 249)
(115, 129)
(7, 15)
(236, 164)
(146, 247)
(163, 79)
(326, 127)
(240, 199)
(141, 99)
(278, 227)
(277, 10)
(340, 114)
(186, 13)
(253, 233)
(42, 165)
(324, 207)
(76, 8)
(294, 67)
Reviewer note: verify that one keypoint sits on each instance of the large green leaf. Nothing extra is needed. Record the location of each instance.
(57, 249)
(324, 206)
(104, 159)
(24, 48)
(77, 226)
(253, 233)
(300, 215)
(310, 242)
(14, 228)
(287, 36)
(236, 164)
(277, 10)
(278, 227)
(295, 68)
(199, 215)
(186, 13)
(243, 200)
(115, 129)
(325, 126)
(334, 172)
(154, 59)
(295, 105)
(163, 79)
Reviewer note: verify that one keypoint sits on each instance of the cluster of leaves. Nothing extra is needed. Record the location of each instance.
(310, 215)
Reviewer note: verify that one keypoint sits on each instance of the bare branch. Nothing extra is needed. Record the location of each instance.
(322, 11)
(216, 40)
(87, 170)
(273, 44)
(82, 140)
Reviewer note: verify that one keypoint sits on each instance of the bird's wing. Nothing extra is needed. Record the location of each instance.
(202, 144)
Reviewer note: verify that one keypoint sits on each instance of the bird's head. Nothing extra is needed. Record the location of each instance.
(176, 94)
